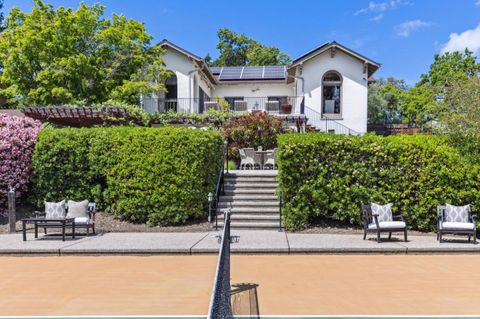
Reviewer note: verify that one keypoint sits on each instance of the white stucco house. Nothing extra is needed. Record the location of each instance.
(327, 86)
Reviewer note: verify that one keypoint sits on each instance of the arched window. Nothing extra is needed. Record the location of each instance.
(171, 93)
(332, 93)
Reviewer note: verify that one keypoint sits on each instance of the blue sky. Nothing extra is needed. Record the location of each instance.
(403, 35)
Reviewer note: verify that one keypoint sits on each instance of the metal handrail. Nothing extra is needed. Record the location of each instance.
(324, 123)
(220, 187)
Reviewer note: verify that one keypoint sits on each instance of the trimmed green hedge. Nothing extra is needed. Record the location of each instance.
(325, 175)
(156, 175)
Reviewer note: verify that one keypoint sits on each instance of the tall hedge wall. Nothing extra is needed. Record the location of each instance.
(325, 175)
(156, 175)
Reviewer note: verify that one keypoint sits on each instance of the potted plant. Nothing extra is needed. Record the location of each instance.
(286, 107)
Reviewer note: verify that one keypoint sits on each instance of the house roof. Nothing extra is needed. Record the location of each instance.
(273, 73)
(198, 60)
(372, 65)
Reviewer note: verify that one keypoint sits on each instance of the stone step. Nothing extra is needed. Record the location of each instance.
(251, 185)
(251, 225)
(250, 217)
(251, 179)
(251, 210)
(249, 191)
(249, 197)
(252, 173)
(238, 204)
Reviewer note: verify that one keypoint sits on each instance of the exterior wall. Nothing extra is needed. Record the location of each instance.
(353, 93)
(254, 93)
(181, 65)
(354, 89)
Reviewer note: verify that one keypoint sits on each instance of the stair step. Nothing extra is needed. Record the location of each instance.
(252, 191)
(252, 210)
(251, 185)
(251, 217)
(251, 179)
(252, 225)
(252, 173)
(273, 203)
(249, 197)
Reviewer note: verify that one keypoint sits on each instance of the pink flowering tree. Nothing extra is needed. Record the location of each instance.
(17, 141)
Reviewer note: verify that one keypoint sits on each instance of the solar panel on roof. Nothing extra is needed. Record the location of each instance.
(274, 72)
(216, 70)
(231, 73)
(252, 72)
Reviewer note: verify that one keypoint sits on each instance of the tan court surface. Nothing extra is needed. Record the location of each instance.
(295, 284)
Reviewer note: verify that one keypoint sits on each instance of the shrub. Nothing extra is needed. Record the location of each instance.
(323, 175)
(252, 130)
(17, 140)
(163, 178)
(156, 175)
(211, 118)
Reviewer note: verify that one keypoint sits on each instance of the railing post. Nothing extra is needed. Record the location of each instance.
(281, 205)
(11, 210)
(226, 154)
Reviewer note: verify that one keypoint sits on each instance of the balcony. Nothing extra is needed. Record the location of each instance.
(284, 105)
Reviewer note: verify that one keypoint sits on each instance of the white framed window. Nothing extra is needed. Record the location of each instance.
(332, 94)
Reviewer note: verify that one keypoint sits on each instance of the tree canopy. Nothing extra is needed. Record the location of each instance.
(450, 66)
(239, 50)
(65, 56)
(435, 97)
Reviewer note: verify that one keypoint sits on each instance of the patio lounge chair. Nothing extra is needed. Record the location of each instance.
(87, 222)
(379, 219)
(457, 220)
(271, 159)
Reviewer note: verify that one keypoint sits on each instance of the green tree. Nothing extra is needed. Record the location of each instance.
(461, 109)
(450, 67)
(239, 50)
(385, 98)
(59, 56)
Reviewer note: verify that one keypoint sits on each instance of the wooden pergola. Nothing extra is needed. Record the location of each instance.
(80, 116)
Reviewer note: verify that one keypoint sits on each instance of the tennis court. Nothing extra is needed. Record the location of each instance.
(126, 285)
(290, 284)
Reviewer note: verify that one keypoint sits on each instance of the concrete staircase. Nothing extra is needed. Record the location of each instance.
(252, 199)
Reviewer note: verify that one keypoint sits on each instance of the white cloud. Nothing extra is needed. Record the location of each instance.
(377, 7)
(378, 17)
(404, 29)
(468, 39)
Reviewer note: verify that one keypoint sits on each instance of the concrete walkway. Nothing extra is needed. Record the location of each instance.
(251, 242)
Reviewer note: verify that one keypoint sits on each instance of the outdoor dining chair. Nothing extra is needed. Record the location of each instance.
(253, 159)
(271, 159)
(456, 220)
(379, 219)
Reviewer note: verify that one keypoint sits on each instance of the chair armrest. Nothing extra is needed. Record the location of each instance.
(399, 216)
(39, 213)
(474, 218)
(375, 218)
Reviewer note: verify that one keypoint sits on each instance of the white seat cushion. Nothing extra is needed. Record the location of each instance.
(453, 225)
(388, 225)
(83, 221)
